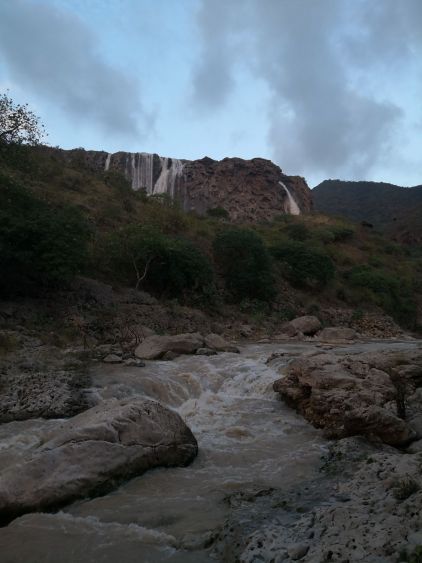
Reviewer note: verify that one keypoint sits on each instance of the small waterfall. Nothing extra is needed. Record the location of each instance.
(293, 206)
(107, 162)
(140, 170)
(171, 169)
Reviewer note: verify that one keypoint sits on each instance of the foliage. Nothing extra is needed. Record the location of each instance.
(297, 231)
(39, 244)
(145, 257)
(218, 213)
(404, 488)
(18, 124)
(245, 264)
(307, 267)
(389, 292)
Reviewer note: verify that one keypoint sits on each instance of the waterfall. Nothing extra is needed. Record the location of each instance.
(293, 206)
(140, 171)
(107, 162)
(171, 169)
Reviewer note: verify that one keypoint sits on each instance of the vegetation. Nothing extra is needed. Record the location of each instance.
(288, 265)
(18, 124)
(40, 245)
(245, 265)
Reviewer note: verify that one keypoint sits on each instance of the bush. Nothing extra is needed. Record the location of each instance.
(391, 293)
(39, 245)
(245, 265)
(307, 267)
(144, 257)
(218, 213)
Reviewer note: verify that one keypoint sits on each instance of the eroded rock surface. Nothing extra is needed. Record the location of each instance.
(93, 452)
(369, 509)
(155, 347)
(357, 394)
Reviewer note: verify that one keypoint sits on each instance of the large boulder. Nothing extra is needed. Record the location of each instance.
(154, 347)
(356, 394)
(334, 333)
(93, 452)
(307, 325)
(217, 342)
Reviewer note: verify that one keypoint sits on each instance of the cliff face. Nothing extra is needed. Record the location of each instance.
(249, 190)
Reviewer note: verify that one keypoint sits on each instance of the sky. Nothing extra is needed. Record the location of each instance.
(324, 88)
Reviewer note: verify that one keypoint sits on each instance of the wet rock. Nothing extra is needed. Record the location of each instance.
(307, 325)
(113, 359)
(170, 356)
(354, 394)
(206, 352)
(297, 551)
(337, 333)
(93, 452)
(216, 342)
(133, 362)
(154, 347)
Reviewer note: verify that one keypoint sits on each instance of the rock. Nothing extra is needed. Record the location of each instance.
(93, 452)
(206, 352)
(132, 362)
(112, 359)
(287, 330)
(308, 324)
(415, 447)
(297, 550)
(246, 331)
(216, 342)
(154, 347)
(337, 333)
(170, 356)
(348, 395)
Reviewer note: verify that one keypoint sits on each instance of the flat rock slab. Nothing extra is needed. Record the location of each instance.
(154, 347)
(93, 452)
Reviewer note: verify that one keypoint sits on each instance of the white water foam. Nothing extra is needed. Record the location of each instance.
(293, 206)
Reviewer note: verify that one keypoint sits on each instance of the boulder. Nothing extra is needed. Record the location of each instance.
(154, 347)
(206, 352)
(308, 324)
(349, 395)
(337, 333)
(113, 359)
(93, 452)
(216, 342)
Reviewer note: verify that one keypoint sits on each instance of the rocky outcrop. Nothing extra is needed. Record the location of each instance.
(93, 452)
(155, 347)
(307, 325)
(217, 342)
(358, 394)
(334, 333)
(368, 510)
(248, 190)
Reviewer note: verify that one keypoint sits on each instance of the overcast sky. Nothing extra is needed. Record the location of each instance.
(325, 88)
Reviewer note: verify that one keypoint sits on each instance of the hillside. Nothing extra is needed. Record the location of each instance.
(262, 273)
(394, 209)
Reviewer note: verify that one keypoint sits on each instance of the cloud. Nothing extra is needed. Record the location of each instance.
(53, 54)
(325, 63)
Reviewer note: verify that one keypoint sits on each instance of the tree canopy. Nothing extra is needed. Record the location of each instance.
(18, 124)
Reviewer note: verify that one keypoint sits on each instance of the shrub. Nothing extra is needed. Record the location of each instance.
(218, 213)
(245, 265)
(145, 257)
(390, 293)
(306, 266)
(298, 231)
(39, 244)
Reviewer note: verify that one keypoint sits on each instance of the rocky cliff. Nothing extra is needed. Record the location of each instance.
(249, 190)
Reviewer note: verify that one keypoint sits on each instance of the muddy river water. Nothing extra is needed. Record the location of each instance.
(247, 439)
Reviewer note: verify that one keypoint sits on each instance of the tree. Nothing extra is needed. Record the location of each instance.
(245, 264)
(18, 124)
(40, 245)
(307, 267)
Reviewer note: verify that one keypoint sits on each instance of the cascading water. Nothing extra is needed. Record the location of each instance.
(247, 440)
(293, 206)
(139, 170)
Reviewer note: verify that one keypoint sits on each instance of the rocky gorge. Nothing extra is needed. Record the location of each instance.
(265, 486)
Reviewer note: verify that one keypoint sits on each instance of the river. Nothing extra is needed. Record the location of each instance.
(248, 441)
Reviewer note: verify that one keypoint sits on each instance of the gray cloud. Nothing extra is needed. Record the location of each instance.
(53, 54)
(320, 60)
